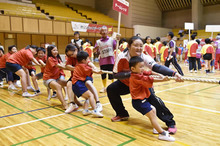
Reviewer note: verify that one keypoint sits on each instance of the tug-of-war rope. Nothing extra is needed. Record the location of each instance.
(193, 79)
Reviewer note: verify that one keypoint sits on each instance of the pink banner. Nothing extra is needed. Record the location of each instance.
(121, 6)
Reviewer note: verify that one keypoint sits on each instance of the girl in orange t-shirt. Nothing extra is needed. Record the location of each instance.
(21, 58)
(53, 74)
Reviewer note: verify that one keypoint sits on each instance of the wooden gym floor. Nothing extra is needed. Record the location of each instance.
(35, 121)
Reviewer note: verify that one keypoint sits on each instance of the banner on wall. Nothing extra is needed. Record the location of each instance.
(87, 27)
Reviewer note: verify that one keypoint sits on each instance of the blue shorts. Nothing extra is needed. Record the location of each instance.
(143, 106)
(79, 87)
(30, 70)
(13, 67)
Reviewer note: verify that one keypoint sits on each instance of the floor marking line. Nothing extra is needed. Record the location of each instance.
(31, 121)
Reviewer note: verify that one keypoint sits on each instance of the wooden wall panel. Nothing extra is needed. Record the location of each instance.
(59, 27)
(62, 42)
(45, 26)
(69, 30)
(5, 23)
(122, 31)
(23, 40)
(51, 39)
(30, 25)
(129, 32)
(16, 24)
(2, 39)
(37, 39)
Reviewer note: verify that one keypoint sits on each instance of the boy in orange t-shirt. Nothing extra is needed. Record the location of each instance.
(139, 83)
(82, 74)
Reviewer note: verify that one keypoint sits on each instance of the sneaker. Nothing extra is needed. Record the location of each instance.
(99, 107)
(12, 87)
(165, 136)
(72, 107)
(97, 114)
(118, 118)
(195, 71)
(155, 131)
(1, 84)
(66, 98)
(86, 112)
(37, 92)
(16, 85)
(103, 90)
(54, 95)
(190, 71)
(30, 88)
(172, 129)
(26, 94)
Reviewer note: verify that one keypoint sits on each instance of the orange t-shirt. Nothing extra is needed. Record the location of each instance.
(2, 58)
(139, 84)
(51, 71)
(71, 61)
(80, 72)
(44, 59)
(22, 57)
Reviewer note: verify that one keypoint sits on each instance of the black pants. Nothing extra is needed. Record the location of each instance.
(192, 63)
(198, 63)
(175, 64)
(118, 88)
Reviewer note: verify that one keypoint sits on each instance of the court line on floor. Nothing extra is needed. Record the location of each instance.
(31, 121)
(26, 112)
(185, 105)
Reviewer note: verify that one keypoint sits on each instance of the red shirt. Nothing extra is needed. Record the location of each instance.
(148, 49)
(81, 71)
(29, 66)
(44, 59)
(22, 57)
(2, 64)
(71, 61)
(51, 71)
(139, 84)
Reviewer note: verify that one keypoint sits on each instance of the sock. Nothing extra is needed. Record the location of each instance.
(104, 81)
(97, 102)
(163, 133)
(54, 92)
(38, 91)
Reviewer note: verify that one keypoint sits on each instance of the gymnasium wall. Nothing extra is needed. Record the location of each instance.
(176, 19)
(151, 31)
(141, 12)
(24, 31)
(211, 15)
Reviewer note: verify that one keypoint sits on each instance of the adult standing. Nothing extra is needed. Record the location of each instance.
(217, 58)
(172, 53)
(77, 41)
(105, 46)
(121, 86)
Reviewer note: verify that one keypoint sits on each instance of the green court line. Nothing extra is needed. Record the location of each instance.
(204, 89)
(49, 134)
(132, 139)
(46, 123)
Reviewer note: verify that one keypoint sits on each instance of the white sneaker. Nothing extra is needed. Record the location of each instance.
(86, 112)
(16, 85)
(97, 114)
(99, 107)
(1, 84)
(30, 88)
(26, 94)
(66, 98)
(103, 90)
(155, 131)
(191, 71)
(195, 71)
(166, 137)
(72, 107)
(12, 87)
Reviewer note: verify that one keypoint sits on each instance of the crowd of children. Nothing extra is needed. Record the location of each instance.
(16, 65)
